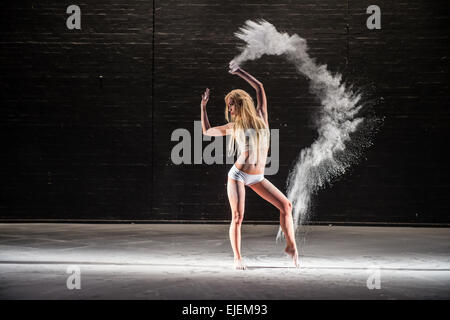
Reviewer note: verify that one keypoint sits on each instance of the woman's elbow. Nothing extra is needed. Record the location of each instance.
(259, 87)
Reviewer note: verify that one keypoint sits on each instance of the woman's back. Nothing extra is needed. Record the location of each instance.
(252, 160)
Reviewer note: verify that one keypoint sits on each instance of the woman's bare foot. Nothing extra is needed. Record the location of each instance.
(292, 251)
(238, 264)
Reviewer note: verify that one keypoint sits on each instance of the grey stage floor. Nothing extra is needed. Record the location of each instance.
(193, 261)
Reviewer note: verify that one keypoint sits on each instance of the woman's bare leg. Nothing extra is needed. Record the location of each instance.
(271, 193)
(236, 196)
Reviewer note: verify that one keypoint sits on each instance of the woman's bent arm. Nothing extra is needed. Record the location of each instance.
(249, 78)
(219, 131)
(204, 115)
(261, 98)
(206, 127)
(214, 131)
(205, 121)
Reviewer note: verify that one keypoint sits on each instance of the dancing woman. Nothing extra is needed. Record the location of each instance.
(249, 128)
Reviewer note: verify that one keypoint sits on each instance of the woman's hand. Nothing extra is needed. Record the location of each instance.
(205, 98)
(234, 67)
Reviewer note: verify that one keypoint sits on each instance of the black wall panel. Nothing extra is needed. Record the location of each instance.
(87, 115)
(76, 110)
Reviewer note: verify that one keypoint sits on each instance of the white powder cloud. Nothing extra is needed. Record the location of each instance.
(334, 151)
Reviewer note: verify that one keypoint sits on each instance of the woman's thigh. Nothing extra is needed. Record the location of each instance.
(270, 193)
(236, 195)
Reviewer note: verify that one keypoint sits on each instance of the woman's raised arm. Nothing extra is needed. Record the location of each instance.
(206, 127)
(261, 98)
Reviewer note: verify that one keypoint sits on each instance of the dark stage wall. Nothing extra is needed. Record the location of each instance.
(87, 115)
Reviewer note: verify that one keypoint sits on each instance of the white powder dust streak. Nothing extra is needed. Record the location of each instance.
(326, 157)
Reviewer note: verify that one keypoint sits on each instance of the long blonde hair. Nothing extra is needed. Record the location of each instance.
(246, 124)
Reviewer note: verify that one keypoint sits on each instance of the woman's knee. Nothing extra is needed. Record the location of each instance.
(286, 207)
(237, 216)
